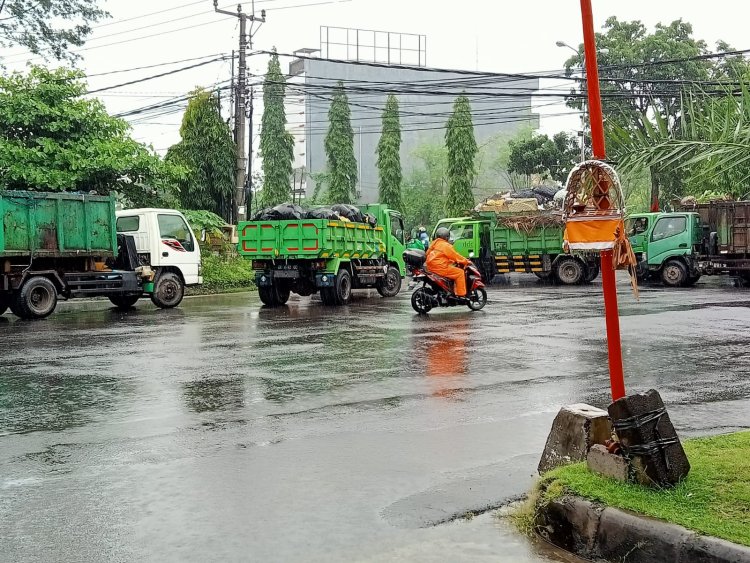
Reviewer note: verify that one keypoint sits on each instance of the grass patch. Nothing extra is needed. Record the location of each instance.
(225, 274)
(713, 500)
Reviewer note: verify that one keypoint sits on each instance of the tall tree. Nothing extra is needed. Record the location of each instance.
(339, 147)
(462, 151)
(276, 143)
(547, 158)
(635, 83)
(40, 26)
(389, 156)
(53, 139)
(207, 151)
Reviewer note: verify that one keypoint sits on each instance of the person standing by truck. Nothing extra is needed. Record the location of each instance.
(424, 237)
(441, 260)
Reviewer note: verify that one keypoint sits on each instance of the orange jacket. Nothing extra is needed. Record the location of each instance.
(441, 255)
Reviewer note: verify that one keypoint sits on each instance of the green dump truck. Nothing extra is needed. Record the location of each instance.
(500, 243)
(304, 256)
(66, 245)
(703, 239)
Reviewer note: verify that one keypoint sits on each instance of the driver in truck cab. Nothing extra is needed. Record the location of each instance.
(442, 259)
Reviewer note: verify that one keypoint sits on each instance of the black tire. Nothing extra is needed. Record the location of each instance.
(544, 276)
(36, 299)
(692, 280)
(569, 271)
(421, 301)
(273, 295)
(592, 271)
(343, 287)
(168, 291)
(391, 285)
(124, 302)
(477, 299)
(674, 274)
(5, 300)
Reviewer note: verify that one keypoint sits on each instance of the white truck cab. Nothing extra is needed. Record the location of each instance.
(166, 243)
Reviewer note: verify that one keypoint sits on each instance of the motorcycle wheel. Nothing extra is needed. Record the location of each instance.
(421, 301)
(477, 299)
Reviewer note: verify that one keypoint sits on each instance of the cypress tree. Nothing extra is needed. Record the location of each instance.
(339, 147)
(389, 156)
(462, 151)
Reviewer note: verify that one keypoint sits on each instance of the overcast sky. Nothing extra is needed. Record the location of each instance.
(491, 35)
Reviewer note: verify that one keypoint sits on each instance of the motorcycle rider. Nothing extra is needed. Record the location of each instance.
(441, 260)
(424, 237)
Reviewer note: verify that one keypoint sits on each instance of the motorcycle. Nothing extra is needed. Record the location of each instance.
(437, 291)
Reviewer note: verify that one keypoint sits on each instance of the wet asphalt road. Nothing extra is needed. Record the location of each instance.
(226, 431)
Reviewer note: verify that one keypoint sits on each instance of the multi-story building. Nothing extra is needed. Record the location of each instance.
(500, 104)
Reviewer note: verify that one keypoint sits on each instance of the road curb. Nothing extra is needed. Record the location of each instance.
(593, 531)
(103, 304)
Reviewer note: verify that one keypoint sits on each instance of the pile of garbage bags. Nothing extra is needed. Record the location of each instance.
(292, 212)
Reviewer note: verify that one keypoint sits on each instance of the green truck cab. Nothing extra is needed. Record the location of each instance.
(666, 246)
(496, 247)
(330, 256)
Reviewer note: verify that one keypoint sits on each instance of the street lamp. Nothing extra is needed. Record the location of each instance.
(582, 133)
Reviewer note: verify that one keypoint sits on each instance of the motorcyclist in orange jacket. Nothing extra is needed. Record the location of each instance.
(442, 259)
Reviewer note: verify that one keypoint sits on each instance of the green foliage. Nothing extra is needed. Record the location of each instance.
(53, 139)
(222, 273)
(541, 156)
(200, 220)
(38, 27)
(389, 156)
(339, 147)
(276, 143)
(462, 151)
(207, 151)
(710, 148)
(425, 188)
(712, 500)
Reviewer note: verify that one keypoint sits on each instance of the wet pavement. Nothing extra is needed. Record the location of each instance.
(226, 431)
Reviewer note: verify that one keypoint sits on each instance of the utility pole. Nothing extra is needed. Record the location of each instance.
(239, 107)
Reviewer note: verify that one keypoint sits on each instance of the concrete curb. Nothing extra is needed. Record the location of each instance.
(593, 531)
(103, 304)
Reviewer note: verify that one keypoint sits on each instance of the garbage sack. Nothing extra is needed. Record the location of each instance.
(349, 211)
(259, 215)
(322, 213)
(546, 192)
(289, 211)
(371, 220)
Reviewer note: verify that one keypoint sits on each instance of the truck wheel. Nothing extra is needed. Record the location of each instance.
(124, 302)
(36, 299)
(592, 272)
(391, 285)
(273, 295)
(4, 303)
(692, 280)
(344, 287)
(544, 276)
(674, 274)
(168, 291)
(569, 271)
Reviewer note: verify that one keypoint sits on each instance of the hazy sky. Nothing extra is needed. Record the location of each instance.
(500, 35)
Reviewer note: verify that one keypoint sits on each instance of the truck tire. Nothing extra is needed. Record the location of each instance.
(544, 276)
(391, 284)
(124, 302)
(592, 272)
(4, 303)
(674, 274)
(36, 299)
(341, 293)
(168, 291)
(273, 295)
(692, 280)
(569, 271)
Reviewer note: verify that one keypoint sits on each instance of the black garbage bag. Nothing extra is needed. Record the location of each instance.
(349, 211)
(371, 220)
(548, 192)
(523, 194)
(261, 215)
(322, 213)
(289, 211)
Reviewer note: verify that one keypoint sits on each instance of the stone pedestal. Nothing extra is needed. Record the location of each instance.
(601, 461)
(575, 429)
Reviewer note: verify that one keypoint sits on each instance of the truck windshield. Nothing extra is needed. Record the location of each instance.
(637, 225)
(668, 227)
(397, 228)
(459, 232)
(174, 227)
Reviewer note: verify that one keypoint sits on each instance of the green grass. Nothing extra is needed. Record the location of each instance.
(713, 500)
(226, 274)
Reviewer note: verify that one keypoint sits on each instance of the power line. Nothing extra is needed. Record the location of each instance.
(155, 65)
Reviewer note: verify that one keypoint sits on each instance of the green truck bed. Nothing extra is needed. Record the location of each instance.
(310, 238)
(56, 225)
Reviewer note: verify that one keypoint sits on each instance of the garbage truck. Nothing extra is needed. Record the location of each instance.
(331, 256)
(527, 242)
(69, 245)
(699, 239)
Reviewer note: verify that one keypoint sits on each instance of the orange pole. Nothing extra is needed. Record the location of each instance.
(609, 286)
(592, 82)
